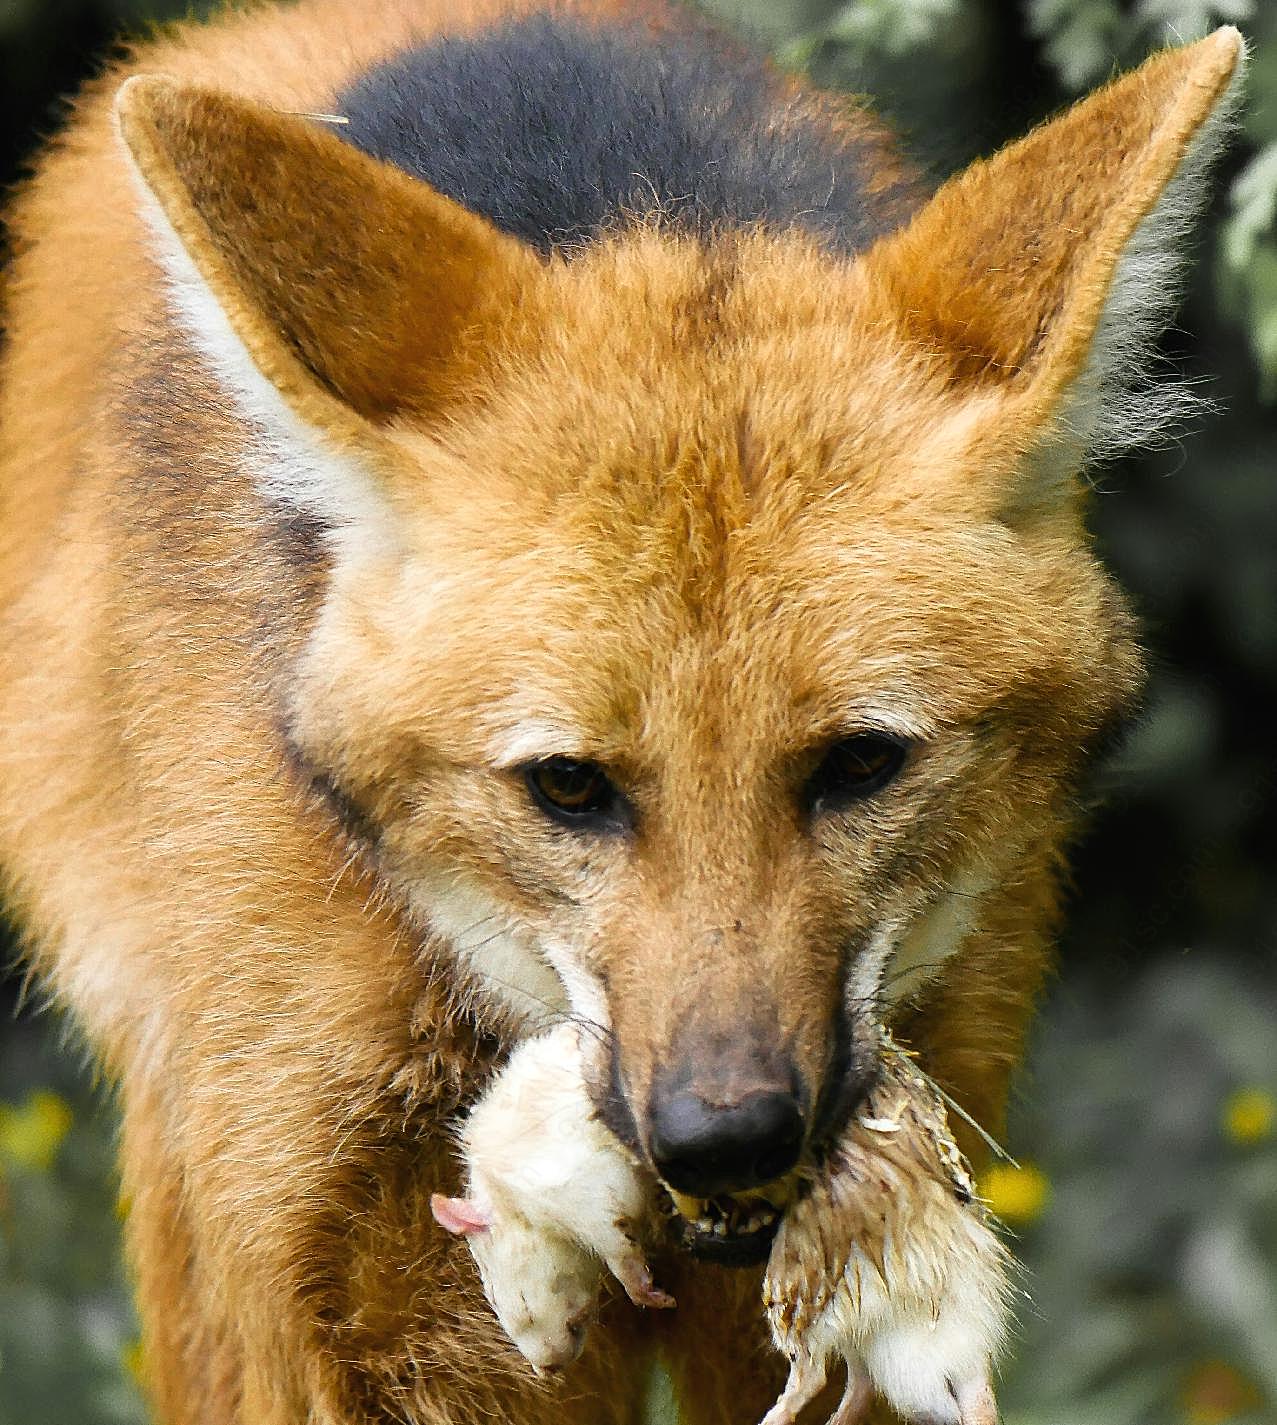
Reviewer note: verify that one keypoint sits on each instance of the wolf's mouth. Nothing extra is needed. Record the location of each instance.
(733, 1230)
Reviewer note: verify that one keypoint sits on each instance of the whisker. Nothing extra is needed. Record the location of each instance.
(950, 890)
(555, 1015)
(989, 1140)
(913, 968)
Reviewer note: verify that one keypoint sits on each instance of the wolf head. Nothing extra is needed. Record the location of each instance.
(708, 640)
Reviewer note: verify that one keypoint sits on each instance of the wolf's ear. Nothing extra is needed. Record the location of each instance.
(1035, 282)
(309, 274)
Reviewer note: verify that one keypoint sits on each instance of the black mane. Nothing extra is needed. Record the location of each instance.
(556, 129)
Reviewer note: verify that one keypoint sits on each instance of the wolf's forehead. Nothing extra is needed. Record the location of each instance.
(664, 388)
(754, 662)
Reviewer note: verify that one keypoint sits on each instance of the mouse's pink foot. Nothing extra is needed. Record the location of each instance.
(635, 1276)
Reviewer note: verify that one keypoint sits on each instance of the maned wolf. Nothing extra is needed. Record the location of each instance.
(521, 515)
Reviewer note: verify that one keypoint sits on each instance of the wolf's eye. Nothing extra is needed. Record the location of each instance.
(579, 794)
(852, 768)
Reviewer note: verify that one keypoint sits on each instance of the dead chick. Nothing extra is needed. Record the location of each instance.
(890, 1263)
(552, 1199)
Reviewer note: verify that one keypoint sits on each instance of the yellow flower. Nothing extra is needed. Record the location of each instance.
(1215, 1392)
(31, 1135)
(134, 1362)
(1250, 1115)
(1017, 1195)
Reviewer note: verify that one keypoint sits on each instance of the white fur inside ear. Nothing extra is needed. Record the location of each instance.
(291, 462)
(1121, 402)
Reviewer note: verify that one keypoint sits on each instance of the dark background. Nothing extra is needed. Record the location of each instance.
(1147, 1197)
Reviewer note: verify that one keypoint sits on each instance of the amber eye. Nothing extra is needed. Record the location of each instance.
(578, 794)
(852, 768)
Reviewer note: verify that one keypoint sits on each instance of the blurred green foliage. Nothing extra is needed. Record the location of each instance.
(1151, 1275)
(66, 1324)
(1147, 1205)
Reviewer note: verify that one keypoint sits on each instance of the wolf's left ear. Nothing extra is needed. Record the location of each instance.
(1035, 282)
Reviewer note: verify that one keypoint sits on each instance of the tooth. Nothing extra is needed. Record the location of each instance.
(690, 1207)
(720, 1228)
(704, 1224)
(754, 1223)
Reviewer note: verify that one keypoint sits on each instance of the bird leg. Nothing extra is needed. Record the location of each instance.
(976, 1402)
(806, 1381)
(856, 1396)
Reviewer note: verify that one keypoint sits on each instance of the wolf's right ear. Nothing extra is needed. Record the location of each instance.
(327, 290)
(1033, 285)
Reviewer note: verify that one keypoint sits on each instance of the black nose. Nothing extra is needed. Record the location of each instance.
(702, 1150)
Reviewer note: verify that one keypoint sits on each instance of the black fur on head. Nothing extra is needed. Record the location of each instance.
(556, 128)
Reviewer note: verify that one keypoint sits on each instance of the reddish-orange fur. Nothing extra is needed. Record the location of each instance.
(731, 500)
